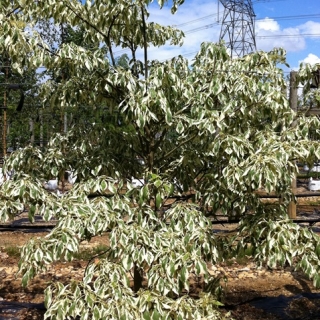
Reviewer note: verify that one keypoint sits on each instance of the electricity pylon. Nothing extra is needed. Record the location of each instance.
(237, 27)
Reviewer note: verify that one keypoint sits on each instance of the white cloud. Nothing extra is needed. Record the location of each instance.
(310, 27)
(267, 24)
(198, 22)
(311, 59)
(269, 35)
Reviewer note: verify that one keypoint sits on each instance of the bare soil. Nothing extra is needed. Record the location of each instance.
(251, 293)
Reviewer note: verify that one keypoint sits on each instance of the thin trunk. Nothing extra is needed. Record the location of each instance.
(151, 155)
(8, 128)
(31, 126)
(4, 133)
(4, 127)
(65, 123)
(145, 44)
(137, 279)
(134, 59)
(112, 56)
(293, 96)
(41, 128)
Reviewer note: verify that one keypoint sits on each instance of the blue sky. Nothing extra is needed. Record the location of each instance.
(279, 23)
(303, 18)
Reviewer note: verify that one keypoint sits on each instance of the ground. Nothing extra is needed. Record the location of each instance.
(251, 292)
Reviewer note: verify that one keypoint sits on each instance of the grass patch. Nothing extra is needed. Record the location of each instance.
(239, 260)
(84, 254)
(88, 253)
(13, 251)
(314, 203)
(243, 257)
(308, 175)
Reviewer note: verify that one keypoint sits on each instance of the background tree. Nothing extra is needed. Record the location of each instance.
(205, 136)
(17, 92)
(123, 61)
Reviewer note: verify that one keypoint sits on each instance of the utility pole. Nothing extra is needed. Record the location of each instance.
(238, 27)
(293, 100)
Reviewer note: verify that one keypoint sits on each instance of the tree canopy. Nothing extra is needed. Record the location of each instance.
(202, 138)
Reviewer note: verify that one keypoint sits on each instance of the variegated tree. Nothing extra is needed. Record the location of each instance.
(202, 139)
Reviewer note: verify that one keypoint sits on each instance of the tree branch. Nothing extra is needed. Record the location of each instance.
(108, 39)
(13, 11)
(145, 44)
(180, 145)
(85, 21)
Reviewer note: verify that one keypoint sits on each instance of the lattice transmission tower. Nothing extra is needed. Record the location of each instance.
(237, 27)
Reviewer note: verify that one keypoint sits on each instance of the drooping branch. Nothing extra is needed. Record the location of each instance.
(86, 21)
(13, 11)
(180, 145)
(108, 39)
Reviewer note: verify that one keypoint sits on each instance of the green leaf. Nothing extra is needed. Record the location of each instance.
(183, 274)
(316, 280)
(168, 116)
(318, 250)
(31, 213)
(146, 315)
(158, 200)
(155, 315)
(48, 297)
(127, 262)
(96, 313)
(180, 127)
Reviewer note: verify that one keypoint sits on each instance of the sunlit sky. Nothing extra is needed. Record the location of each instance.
(291, 24)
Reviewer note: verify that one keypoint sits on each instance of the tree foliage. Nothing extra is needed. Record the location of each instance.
(201, 138)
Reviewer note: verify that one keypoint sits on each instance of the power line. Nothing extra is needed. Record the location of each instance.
(262, 19)
(211, 25)
(300, 16)
(196, 20)
(216, 14)
(312, 35)
(264, 1)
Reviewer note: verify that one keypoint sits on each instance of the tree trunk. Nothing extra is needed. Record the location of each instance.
(65, 123)
(31, 126)
(137, 279)
(41, 128)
